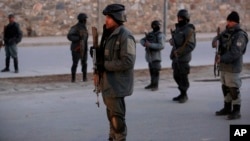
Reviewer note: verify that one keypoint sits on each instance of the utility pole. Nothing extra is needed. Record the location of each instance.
(165, 11)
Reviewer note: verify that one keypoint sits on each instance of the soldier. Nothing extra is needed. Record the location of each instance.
(78, 35)
(118, 50)
(12, 36)
(154, 42)
(183, 42)
(232, 45)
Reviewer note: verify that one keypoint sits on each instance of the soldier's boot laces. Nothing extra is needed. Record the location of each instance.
(235, 114)
(225, 110)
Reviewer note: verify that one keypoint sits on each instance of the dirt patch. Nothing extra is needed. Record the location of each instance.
(196, 73)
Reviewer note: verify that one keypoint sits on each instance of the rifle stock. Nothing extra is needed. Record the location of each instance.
(97, 74)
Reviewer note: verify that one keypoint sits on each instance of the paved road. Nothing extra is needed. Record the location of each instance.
(68, 113)
(49, 60)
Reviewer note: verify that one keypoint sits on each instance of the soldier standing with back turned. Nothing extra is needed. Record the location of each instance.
(78, 35)
(232, 46)
(183, 42)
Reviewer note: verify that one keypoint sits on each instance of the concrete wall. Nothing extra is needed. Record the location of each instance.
(55, 17)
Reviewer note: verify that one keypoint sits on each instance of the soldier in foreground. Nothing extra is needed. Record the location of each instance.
(232, 46)
(12, 36)
(183, 42)
(154, 42)
(117, 50)
(78, 35)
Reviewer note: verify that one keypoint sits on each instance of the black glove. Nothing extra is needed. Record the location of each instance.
(91, 51)
(100, 67)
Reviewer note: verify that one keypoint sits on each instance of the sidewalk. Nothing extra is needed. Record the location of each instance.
(62, 40)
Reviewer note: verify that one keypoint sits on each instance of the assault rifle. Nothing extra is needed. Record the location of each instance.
(217, 52)
(180, 49)
(174, 48)
(147, 48)
(97, 72)
(82, 43)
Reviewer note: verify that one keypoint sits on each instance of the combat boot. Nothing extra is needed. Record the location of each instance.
(148, 86)
(73, 77)
(7, 64)
(154, 87)
(177, 98)
(110, 139)
(84, 77)
(225, 110)
(183, 98)
(235, 114)
(16, 65)
(5, 70)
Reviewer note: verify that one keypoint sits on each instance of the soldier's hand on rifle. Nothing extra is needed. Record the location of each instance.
(171, 42)
(100, 67)
(214, 43)
(176, 53)
(96, 79)
(217, 59)
(147, 43)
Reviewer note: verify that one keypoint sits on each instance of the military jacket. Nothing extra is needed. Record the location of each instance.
(157, 43)
(179, 37)
(77, 34)
(119, 60)
(232, 46)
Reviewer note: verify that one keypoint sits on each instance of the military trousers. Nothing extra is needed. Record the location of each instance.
(180, 74)
(76, 56)
(116, 111)
(231, 81)
(154, 70)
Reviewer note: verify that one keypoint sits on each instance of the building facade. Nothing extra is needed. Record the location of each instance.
(55, 17)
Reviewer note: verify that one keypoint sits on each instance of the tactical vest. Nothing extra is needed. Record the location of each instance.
(227, 39)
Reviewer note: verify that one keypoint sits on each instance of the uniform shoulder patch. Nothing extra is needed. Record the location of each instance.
(131, 46)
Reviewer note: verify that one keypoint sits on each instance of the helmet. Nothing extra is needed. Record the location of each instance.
(116, 11)
(11, 16)
(82, 16)
(155, 23)
(183, 13)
